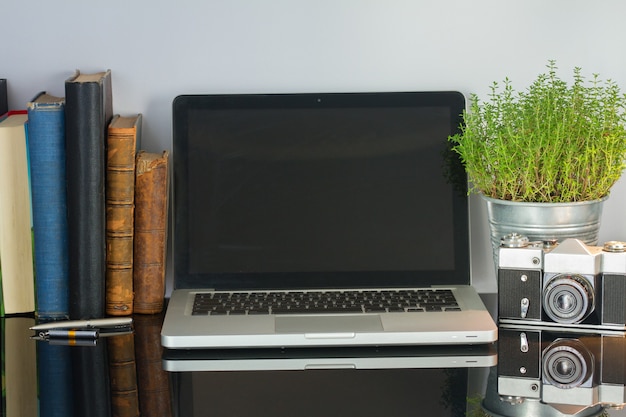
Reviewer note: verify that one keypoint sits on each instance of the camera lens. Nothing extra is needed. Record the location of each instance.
(567, 363)
(568, 298)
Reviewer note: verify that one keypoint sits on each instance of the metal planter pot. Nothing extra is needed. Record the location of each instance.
(544, 221)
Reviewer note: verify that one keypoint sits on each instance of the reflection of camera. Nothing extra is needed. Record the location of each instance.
(561, 368)
(567, 284)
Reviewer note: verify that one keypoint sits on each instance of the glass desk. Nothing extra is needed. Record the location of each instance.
(124, 375)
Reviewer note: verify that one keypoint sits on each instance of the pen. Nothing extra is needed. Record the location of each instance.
(72, 342)
(69, 337)
(70, 334)
(121, 322)
(80, 337)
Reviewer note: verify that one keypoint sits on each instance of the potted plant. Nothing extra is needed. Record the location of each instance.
(554, 146)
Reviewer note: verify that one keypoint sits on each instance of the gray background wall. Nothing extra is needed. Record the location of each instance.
(158, 49)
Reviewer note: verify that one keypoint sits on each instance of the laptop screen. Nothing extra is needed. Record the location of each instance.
(318, 190)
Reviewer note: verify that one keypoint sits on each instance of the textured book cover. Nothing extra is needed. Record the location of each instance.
(19, 373)
(17, 287)
(90, 377)
(88, 112)
(46, 147)
(123, 375)
(152, 380)
(123, 135)
(151, 202)
(54, 374)
(4, 102)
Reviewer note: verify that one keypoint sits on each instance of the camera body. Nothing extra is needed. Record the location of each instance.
(564, 285)
(564, 368)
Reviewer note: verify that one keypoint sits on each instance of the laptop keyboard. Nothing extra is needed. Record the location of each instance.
(324, 302)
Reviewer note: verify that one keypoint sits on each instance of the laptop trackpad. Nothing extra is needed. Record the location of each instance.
(328, 324)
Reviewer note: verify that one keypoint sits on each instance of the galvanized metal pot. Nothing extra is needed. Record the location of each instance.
(544, 221)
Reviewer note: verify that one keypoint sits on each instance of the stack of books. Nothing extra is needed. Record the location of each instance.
(83, 221)
(97, 239)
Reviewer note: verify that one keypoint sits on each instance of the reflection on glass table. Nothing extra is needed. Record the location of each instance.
(555, 372)
(330, 392)
(109, 374)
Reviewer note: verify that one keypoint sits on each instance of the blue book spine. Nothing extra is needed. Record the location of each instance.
(46, 147)
(54, 373)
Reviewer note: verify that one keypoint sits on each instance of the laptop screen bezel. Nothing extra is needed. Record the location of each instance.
(184, 104)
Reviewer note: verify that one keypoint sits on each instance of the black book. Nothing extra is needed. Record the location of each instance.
(88, 112)
(90, 373)
(4, 102)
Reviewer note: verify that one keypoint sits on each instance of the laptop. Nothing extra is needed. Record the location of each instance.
(330, 393)
(303, 359)
(312, 220)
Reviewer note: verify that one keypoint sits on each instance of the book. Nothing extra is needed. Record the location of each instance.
(54, 375)
(46, 148)
(17, 289)
(19, 373)
(151, 206)
(123, 375)
(123, 136)
(152, 380)
(88, 112)
(90, 380)
(4, 102)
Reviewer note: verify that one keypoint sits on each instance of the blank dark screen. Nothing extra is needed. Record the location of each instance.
(316, 190)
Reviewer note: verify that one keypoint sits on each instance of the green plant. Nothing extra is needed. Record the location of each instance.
(553, 142)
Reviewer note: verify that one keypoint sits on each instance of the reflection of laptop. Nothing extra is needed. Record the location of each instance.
(309, 195)
(362, 357)
(333, 392)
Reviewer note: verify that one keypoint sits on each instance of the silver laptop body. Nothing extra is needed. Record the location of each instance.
(319, 193)
(304, 359)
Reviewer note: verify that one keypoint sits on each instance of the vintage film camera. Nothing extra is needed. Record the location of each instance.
(561, 368)
(566, 285)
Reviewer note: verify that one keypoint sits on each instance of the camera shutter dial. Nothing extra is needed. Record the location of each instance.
(614, 247)
(568, 298)
(514, 240)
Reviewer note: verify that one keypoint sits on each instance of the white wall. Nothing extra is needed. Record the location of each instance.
(158, 49)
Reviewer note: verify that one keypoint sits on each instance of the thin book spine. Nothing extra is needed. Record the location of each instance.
(4, 102)
(151, 206)
(90, 378)
(123, 136)
(19, 369)
(123, 375)
(152, 380)
(46, 146)
(88, 112)
(54, 374)
(17, 287)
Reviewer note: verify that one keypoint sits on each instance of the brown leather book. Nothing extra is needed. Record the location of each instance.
(153, 381)
(123, 375)
(123, 135)
(151, 203)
